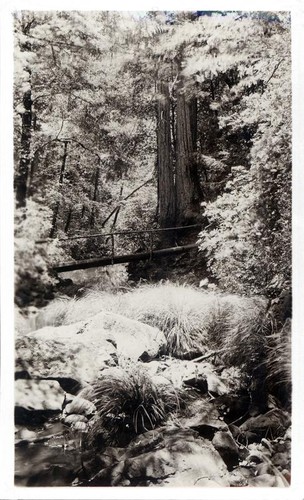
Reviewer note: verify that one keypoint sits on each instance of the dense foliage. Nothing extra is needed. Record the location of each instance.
(91, 148)
(248, 243)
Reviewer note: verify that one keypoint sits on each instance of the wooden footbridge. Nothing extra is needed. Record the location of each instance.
(112, 255)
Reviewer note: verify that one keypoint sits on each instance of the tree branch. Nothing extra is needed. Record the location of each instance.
(50, 141)
(83, 99)
(62, 92)
(56, 42)
(60, 130)
(125, 199)
(85, 147)
(273, 73)
(208, 355)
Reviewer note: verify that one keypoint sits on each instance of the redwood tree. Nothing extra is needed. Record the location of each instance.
(166, 188)
(179, 192)
(187, 185)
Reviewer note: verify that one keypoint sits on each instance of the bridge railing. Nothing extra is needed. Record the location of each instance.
(117, 241)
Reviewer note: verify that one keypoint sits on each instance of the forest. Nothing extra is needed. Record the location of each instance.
(152, 183)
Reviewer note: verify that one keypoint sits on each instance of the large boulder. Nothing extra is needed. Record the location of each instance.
(165, 457)
(39, 395)
(37, 400)
(273, 423)
(268, 481)
(202, 416)
(199, 375)
(225, 444)
(80, 406)
(68, 360)
(80, 351)
(132, 339)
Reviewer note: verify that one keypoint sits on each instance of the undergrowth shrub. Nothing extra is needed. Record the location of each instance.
(20, 322)
(54, 314)
(99, 278)
(129, 403)
(34, 282)
(191, 319)
(243, 332)
(278, 363)
(66, 310)
(181, 312)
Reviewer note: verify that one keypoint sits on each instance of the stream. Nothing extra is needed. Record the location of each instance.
(48, 456)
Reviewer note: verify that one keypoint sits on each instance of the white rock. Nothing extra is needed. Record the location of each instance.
(39, 394)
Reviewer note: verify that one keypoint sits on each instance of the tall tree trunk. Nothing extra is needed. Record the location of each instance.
(33, 165)
(118, 209)
(166, 190)
(68, 221)
(54, 220)
(92, 217)
(64, 157)
(186, 176)
(61, 177)
(25, 158)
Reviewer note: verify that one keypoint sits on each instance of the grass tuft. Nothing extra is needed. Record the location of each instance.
(278, 363)
(244, 330)
(178, 311)
(129, 403)
(65, 311)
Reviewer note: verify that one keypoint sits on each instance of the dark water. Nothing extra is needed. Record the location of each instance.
(51, 458)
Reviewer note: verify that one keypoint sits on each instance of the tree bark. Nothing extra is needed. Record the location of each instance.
(68, 221)
(64, 157)
(117, 211)
(166, 189)
(92, 217)
(188, 194)
(21, 177)
(62, 170)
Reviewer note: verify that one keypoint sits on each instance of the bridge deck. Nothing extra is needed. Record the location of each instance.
(115, 258)
(121, 259)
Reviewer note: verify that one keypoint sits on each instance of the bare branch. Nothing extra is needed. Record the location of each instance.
(63, 92)
(56, 42)
(273, 72)
(83, 99)
(60, 130)
(50, 141)
(125, 199)
(92, 151)
(208, 355)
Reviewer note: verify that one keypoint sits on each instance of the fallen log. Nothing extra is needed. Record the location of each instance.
(121, 259)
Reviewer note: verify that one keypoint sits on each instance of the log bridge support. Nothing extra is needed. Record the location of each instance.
(112, 259)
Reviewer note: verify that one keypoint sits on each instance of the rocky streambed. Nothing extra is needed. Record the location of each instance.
(100, 403)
